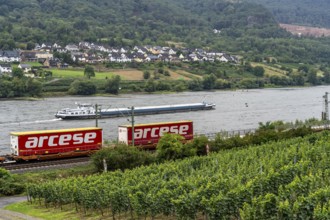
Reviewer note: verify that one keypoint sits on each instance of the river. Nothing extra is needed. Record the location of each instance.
(235, 110)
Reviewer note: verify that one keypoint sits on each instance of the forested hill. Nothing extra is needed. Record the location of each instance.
(301, 12)
(131, 22)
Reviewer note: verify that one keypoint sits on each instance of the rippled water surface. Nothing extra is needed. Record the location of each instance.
(235, 110)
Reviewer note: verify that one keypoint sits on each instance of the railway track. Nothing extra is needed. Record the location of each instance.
(29, 166)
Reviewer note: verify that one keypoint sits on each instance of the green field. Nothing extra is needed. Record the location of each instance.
(33, 63)
(71, 73)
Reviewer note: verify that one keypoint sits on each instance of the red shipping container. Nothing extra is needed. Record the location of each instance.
(55, 141)
(148, 135)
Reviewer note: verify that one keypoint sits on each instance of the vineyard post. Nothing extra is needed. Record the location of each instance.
(96, 116)
(105, 166)
(132, 108)
(325, 114)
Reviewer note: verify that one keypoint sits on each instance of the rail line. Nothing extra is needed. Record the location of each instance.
(27, 166)
(34, 165)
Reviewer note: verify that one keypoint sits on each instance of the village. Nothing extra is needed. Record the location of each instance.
(90, 53)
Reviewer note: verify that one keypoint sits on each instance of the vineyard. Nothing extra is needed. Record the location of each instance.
(280, 180)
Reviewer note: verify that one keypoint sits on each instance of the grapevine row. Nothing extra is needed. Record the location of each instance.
(279, 180)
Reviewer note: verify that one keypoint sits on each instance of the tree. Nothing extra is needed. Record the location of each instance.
(303, 68)
(209, 81)
(81, 25)
(326, 77)
(89, 72)
(195, 85)
(65, 57)
(170, 147)
(19, 87)
(6, 90)
(248, 67)
(180, 86)
(150, 86)
(33, 87)
(298, 79)
(258, 71)
(199, 144)
(85, 87)
(312, 77)
(146, 74)
(222, 84)
(113, 85)
(17, 72)
(30, 46)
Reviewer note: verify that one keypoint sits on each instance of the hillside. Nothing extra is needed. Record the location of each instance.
(313, 13)
(306, 31)
(239, 27)
(128, 22)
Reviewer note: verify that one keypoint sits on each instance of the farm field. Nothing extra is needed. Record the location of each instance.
(72, 73)
(270, 71)
(127, 74)
(181, 74)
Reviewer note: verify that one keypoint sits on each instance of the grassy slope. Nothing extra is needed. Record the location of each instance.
(270, 70)
(126, 74)
(48, 214)
(130, 75)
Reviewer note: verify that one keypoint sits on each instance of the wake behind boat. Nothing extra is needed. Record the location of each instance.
(88, 111)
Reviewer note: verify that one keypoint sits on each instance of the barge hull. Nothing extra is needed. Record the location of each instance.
(151, 110)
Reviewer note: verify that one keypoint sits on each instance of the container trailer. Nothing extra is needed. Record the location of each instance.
(51, 144)
(148, 135)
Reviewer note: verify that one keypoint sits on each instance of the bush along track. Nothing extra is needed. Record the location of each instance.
(288, 179)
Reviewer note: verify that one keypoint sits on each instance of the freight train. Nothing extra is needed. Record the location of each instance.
(64, 143)
(148, 135)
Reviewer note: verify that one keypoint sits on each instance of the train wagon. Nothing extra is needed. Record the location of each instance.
(148, 135)
(52, 144)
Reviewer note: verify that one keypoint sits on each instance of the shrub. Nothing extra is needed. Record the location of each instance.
(122, 157)
(171, 147)
(199, 144)
(82, 88)
(264, 134)
(4, 174)
(222, 143)
(9, 185)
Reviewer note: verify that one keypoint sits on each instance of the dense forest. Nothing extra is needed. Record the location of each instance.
(144, 21)
(244, 28)
(302, 12)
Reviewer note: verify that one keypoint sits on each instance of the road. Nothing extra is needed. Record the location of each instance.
(9, 215)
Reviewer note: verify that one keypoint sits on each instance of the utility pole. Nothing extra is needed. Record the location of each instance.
(96, 116)
(132, 120)
(325, 114)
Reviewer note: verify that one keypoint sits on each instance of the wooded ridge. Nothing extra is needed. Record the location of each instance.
(127, 22)
(308, 12)
(234, 27)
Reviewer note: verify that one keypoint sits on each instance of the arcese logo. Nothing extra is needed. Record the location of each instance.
(155, 132)
(60, 140)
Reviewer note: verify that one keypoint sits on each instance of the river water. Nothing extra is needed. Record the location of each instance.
(235, 110)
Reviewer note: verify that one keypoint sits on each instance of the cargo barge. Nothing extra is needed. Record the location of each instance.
(88, 111)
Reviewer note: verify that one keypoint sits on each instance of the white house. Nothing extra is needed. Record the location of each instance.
(72, 48)
(5, 68)
(25, 67)
(9, 56)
